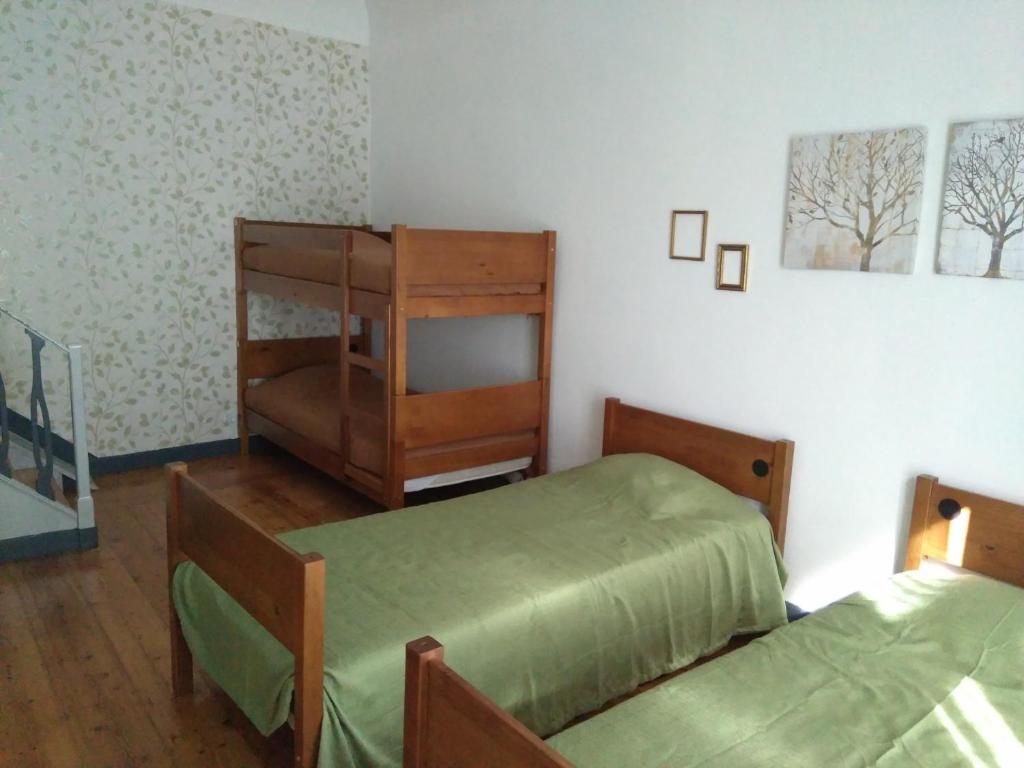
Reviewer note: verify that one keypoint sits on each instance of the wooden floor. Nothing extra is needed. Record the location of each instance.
(84, 671)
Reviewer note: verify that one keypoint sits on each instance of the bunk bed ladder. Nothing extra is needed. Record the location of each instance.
(360, 356)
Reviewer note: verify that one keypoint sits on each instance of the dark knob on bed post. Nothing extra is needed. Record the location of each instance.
(761, 468)
(949, 508)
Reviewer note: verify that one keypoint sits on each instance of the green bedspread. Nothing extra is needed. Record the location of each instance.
(552, 595)
(925, 670)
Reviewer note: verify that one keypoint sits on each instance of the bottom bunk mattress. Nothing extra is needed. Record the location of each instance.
(552, 595)
(307, 401)
(924, 670)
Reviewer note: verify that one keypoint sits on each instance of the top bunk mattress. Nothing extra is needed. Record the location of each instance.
(924, 669)
(369, 265)
(553, 596)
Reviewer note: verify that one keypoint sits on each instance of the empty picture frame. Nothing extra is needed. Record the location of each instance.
(731, 274)
(689, 235)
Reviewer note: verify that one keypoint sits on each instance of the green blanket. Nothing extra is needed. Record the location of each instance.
(552, 595)
(925, 670)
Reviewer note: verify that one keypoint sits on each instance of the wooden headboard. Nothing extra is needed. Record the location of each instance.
(982, 534)
(748, 466)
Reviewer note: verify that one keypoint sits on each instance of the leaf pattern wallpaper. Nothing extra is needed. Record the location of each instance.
(131, 134)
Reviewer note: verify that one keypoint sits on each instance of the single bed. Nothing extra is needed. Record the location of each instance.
(925, 669)
(334, 404)
(591, 581)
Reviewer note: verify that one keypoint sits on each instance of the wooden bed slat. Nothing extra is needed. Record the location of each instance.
(365, 361)
(438, 459)
(495, 289)
(295, 234)
(310, 452)
(459, 257)
(474, 306)
(447, 417)
(980, 533)
(272, 357)
(290, 289)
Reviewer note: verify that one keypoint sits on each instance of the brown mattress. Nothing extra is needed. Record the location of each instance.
(308, 401)
(369, 267)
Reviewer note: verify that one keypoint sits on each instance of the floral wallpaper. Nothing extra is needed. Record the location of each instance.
(131, 133)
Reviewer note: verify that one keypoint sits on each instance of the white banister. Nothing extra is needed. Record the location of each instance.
(84, 507)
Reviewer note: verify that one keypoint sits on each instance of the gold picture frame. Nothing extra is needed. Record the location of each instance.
(731, 272)
(682, 235)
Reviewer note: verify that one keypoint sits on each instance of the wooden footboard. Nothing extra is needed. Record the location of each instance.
(450, 724)
(281, 589)
(748, 466)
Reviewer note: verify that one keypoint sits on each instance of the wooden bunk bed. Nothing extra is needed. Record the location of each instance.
(332, 403)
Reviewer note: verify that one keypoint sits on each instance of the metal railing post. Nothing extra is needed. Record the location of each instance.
(5, 433)
(42, 446)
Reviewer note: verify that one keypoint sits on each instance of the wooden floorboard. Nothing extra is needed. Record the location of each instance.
(84, 656)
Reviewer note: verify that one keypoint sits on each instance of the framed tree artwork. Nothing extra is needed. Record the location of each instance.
(854, 199)
(983, 203)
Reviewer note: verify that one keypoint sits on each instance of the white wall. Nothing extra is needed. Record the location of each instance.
(340, 19)
(597, 118)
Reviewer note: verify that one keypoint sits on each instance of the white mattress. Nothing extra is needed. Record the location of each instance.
(464, 475)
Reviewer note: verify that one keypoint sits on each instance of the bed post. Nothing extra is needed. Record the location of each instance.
(450, 724)
(242, 334)
(778, 506)
(309, 664)
(344, 374)
(181, 657)
(540, 461)
(923, 489)
(394, 480)
(418, 655)
(611, 405)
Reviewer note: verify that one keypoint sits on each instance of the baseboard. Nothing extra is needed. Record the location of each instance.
(53, 543)
(125, 462)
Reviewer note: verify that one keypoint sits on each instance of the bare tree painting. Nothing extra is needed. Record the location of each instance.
(854, 200)
(983, 206)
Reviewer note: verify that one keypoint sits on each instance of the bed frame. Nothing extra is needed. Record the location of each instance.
(966, 529)
(449, 723)
(434, 274)
(284, 590)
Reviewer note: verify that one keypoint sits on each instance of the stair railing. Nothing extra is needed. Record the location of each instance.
(5, 432)
(42, 428)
